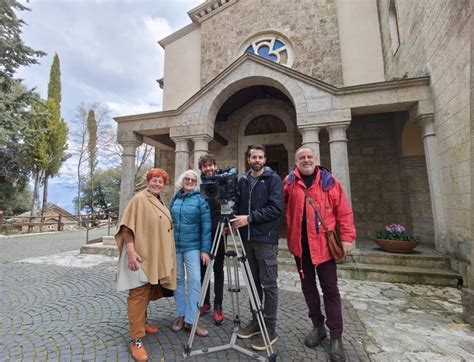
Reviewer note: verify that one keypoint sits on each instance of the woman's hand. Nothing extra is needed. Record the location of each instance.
(134, 260)
(205, 258)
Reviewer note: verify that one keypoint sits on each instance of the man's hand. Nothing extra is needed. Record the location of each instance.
(348, 247)
(205, 258)
(134, 260)
(240, 220)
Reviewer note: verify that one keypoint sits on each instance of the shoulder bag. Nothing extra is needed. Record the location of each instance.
(335, 246)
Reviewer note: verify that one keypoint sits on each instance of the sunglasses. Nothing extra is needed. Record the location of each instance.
(190, 180)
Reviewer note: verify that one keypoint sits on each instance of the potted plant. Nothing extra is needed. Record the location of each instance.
(395, 239)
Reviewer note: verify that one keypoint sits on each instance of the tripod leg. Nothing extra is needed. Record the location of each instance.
(255, 302)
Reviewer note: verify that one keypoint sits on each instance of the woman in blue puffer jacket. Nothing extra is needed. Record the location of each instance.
(192, 234)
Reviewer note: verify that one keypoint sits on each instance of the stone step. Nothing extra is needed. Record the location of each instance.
(400, 274)
(100, 249)
(417, 259)
(387, 273)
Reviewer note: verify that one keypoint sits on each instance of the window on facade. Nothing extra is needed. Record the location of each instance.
(271, 48)
(266, 123)
(393, 27)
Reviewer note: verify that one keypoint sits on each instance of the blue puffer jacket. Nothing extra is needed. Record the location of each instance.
(191, 221)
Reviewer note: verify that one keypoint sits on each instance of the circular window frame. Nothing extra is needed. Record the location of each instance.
(268, 39)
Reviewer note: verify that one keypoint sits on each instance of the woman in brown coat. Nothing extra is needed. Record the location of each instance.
(147, 261)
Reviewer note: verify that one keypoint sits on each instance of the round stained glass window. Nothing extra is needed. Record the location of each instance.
(271, 48)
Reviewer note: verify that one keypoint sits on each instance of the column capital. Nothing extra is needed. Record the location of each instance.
(129, 139)
(337, 132)
(426, 123)
(181, 144)
(202, 137)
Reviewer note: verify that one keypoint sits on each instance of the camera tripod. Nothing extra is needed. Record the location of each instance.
(232, 260)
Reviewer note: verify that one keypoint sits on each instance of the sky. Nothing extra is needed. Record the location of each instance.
(108, 52)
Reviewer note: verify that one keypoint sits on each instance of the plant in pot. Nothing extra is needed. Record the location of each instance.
(395, 239)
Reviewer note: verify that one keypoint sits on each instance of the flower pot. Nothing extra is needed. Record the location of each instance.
(396, 246)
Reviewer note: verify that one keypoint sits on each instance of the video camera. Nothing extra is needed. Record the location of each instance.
(221, 186)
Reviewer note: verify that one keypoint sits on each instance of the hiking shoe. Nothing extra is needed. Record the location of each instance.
(249, 330)
(218, 316)
(204, 309)
(138, 351)
(258, 343)
(315, 337)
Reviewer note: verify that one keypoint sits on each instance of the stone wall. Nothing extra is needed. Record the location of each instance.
(435, 41)
(311, 27)
(379, 189)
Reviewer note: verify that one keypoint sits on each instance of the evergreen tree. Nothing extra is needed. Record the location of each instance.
(57, 130)
(16, 105)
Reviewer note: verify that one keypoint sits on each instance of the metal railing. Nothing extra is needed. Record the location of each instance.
(98, 219)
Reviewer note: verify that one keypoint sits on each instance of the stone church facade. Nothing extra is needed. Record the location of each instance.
(381, 89)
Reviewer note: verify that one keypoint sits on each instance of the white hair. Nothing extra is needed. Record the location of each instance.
(179, 184)
(304, 148)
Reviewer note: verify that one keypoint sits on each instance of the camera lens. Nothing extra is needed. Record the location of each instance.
(212, 190)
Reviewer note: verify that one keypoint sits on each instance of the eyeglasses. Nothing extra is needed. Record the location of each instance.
(190, 180)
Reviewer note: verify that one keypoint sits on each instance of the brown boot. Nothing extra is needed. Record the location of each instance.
(138, 351)
(200, 331)
(151, 329)
(178, 324)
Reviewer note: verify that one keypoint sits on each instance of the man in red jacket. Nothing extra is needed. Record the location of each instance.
(308, 244)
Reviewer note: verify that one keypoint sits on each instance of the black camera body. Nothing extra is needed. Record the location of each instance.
(221, 186)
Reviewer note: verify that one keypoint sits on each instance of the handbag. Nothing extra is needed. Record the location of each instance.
(336, 249)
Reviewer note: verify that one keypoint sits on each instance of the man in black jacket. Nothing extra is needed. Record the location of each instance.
(207, 165)
(258, 208)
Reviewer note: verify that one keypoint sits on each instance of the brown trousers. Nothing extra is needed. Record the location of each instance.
(138, 300)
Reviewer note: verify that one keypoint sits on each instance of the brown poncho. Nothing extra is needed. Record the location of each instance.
(152, 227)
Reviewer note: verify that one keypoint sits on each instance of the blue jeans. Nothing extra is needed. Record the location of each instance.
(187, 299)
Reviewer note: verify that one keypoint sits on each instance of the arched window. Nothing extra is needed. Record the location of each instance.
(272, 48)
(266, 123)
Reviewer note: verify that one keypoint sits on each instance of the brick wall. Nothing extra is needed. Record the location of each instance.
(435, 41)
(311, 27)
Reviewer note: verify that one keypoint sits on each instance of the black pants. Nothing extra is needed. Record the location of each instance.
(218, 277)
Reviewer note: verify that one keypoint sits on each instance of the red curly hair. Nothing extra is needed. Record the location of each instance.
(157, 172)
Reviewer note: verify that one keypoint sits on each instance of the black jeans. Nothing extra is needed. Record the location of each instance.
(218, 277)
(263, 264)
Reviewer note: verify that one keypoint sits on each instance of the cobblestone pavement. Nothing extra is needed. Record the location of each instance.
(65, 307)
(17, 247)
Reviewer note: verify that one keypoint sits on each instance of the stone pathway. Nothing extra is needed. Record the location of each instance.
(65, 307)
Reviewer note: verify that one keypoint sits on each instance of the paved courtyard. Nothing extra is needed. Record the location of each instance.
(65, 307)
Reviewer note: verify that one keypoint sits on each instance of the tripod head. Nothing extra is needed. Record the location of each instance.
(227, 208)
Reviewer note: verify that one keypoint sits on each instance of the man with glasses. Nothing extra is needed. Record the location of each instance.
(259, 205)
(207, 165)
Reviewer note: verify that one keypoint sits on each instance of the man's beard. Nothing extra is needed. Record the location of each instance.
(256, 166)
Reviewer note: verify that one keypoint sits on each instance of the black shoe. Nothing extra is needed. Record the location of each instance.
(336, 350)
(315, 337)
(259, 345)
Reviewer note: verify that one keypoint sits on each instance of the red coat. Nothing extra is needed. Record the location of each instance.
(333, 205)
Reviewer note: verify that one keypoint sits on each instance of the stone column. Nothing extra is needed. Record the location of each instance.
(158, 161)
(181, 157)
(339, 157)
(129, 143)
(311, 139)
(426, 123)
(201, 147)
